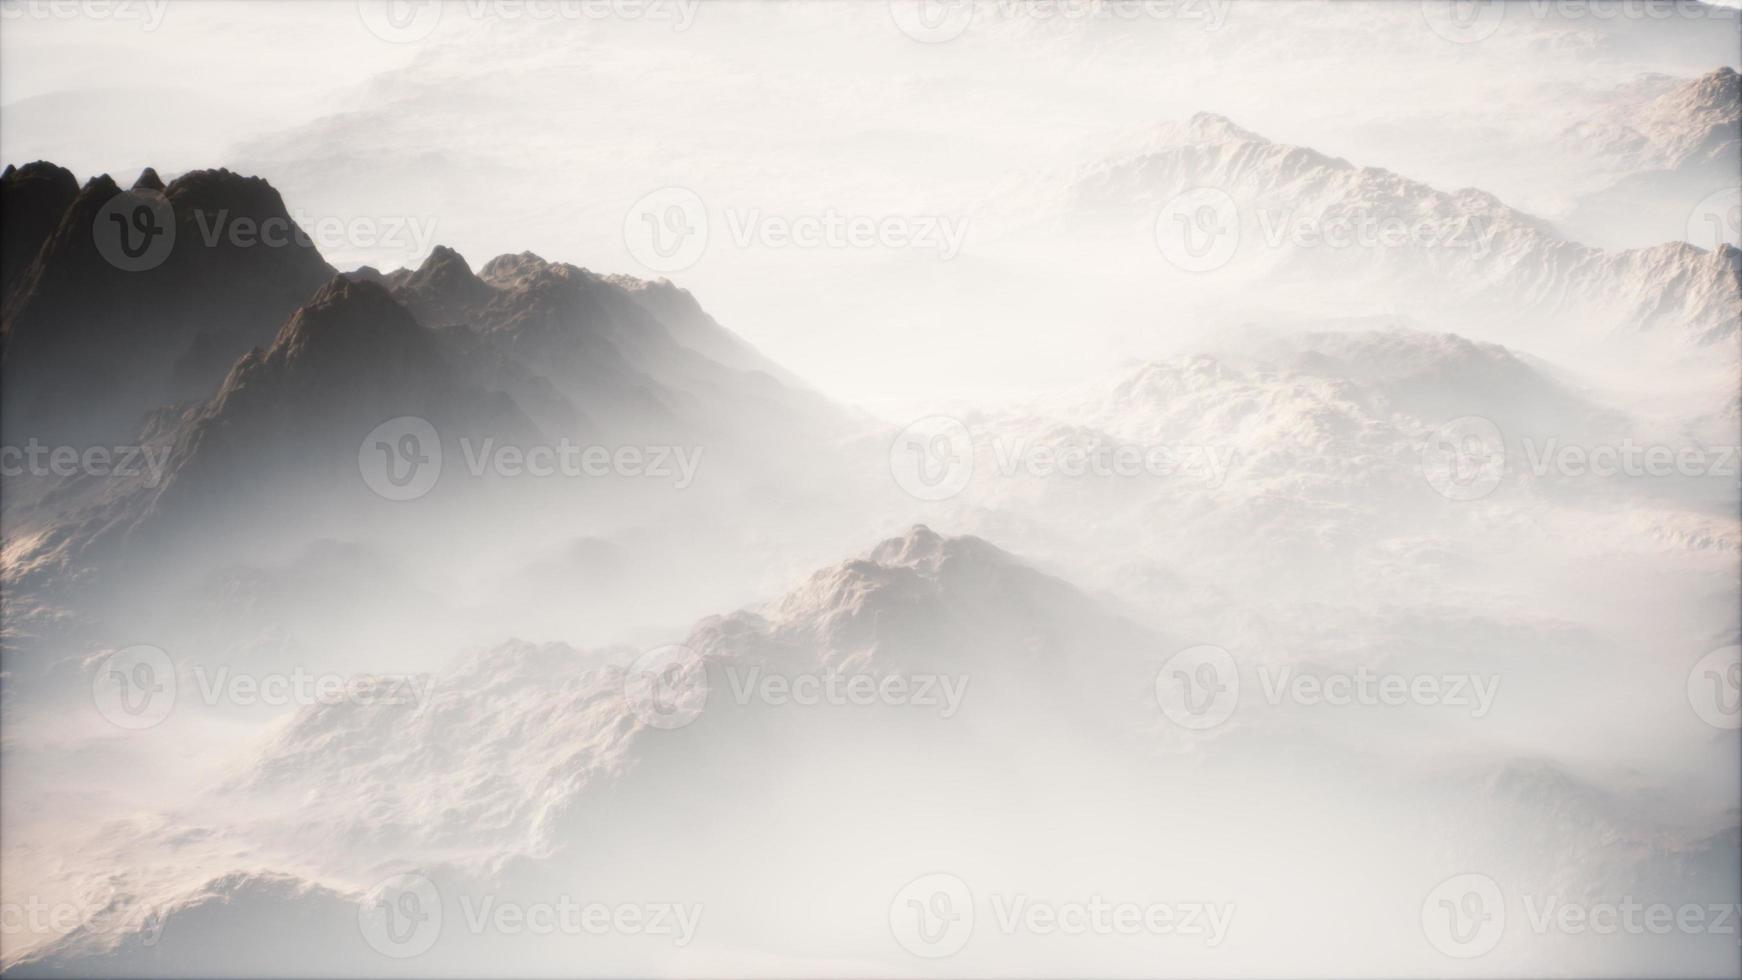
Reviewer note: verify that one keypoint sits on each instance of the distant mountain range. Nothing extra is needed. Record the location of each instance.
(1673, 146)
(1294, 211)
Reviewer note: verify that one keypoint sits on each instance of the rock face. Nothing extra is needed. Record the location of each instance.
(278, 444)
(32, 199)
(258, 372)
(1670, 125)
(91, 346)
(346, 361)
(1674, 148)
(633, 357)
(349, 359)
(920, 604)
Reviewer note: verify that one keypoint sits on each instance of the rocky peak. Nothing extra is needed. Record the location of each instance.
(91, 347)
(348, 319)
(444, 289)
(32, 200)
(1211, 127)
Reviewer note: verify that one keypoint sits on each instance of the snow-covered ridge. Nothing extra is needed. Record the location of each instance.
(1301, 212)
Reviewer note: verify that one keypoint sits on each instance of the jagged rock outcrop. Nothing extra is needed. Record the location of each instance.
(90, 346)
(630, 356)
(32, 200)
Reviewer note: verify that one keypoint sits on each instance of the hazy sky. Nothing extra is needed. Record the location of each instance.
(499, 127)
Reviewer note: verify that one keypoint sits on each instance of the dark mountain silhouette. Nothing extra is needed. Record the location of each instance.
(91, 347)
(637, 358)
(258, 374)
(278, 444)
(32, 199)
